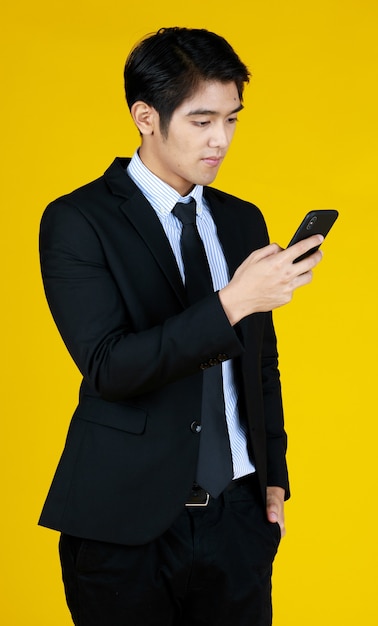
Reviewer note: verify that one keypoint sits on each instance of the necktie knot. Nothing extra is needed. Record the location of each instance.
(196, 268)
(186, 213)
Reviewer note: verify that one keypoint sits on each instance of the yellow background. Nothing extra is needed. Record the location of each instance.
(307, 139)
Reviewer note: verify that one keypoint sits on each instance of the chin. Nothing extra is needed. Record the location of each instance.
(209, 179)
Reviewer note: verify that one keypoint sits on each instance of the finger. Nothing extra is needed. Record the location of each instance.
(308, 264)
(302, 279)
(261, 253)
(295, 251)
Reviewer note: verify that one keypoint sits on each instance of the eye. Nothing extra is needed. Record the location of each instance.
(232, 120)
(201, 123)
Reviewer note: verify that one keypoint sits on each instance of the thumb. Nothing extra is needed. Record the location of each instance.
(272, 515)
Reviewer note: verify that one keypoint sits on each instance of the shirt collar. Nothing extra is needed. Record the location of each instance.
(159, 194)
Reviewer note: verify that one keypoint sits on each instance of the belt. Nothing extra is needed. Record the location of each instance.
(200, 497)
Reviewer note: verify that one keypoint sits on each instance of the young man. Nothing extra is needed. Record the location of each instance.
(169, 493)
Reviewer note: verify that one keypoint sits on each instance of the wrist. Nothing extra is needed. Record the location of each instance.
(234, 308)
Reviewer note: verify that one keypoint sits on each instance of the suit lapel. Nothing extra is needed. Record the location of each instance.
(230, 236)
(142, 216)
(228, 229)
(144, 219)
(139, 212)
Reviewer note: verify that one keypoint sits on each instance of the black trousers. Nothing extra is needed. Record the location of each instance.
(213, 567)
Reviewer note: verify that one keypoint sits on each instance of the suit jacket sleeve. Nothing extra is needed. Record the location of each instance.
(122, 346)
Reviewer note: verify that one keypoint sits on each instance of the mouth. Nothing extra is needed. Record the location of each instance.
(212, 161)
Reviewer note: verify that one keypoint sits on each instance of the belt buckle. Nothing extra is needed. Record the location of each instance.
(200, 492)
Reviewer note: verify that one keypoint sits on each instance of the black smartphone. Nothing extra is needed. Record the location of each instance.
(317, 222)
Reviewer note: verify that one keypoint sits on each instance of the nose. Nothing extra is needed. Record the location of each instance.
(220, 137)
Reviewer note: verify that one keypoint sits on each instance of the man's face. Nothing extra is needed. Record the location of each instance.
(199, 135)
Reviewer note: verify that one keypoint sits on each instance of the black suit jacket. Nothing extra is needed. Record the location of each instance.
(117, 297)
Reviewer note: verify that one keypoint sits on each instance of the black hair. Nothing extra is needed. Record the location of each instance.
(165, 68)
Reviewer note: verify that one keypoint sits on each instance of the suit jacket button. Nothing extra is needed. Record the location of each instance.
(195, 427)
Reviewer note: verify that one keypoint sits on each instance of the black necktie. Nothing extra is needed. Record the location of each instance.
(214, 470)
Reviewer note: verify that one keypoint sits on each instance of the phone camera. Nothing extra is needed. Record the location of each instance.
(312, 222)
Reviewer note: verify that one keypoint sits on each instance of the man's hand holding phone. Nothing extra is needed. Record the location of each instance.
(268, 278)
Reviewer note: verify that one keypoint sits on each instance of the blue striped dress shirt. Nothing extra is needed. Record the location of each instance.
(163, 198)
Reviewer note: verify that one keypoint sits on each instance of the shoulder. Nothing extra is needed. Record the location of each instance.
(241, 209)
(95, 199)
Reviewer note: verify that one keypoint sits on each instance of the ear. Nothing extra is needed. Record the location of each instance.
(146, 118)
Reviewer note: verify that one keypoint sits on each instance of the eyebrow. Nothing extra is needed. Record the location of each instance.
(210, 112)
